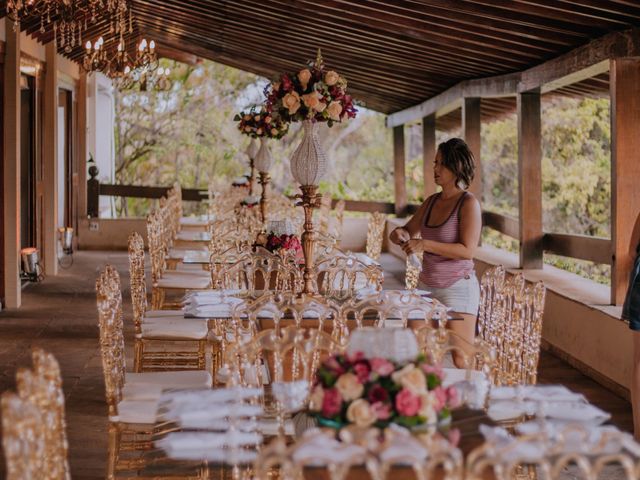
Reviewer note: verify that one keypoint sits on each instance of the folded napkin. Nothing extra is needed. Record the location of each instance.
(193, 417)
(561, 411)
(205, 445)
(536, 392)
(509, 449)
(317, 448)
(202, 397)
(578, 438)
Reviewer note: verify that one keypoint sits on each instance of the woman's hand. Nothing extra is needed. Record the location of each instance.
(400, 236)
(414, 245)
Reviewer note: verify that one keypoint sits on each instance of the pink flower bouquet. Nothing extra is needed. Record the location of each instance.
(375, 392)
(261, 124)
(313, 93)
(289, 243)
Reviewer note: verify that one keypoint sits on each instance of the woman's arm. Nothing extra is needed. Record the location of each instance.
(635, 238)
(470, 227)
(410, 229)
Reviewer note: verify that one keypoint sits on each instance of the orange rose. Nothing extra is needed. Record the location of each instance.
(334, 109)
(321, 107)
(311, 100)
(291, 102)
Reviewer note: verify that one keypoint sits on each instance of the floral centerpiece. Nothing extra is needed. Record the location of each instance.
(375, 392)
(250, 201)
(284, 243)
(313, 93)
(240, 181)
(261, 124)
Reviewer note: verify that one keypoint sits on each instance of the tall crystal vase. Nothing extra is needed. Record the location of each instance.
(308, 166)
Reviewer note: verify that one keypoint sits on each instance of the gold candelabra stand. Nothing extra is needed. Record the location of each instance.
(308, 201)
(265, 178)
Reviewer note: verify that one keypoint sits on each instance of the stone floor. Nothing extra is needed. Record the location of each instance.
(59, 315)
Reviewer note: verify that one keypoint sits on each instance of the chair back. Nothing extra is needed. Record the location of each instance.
(340, 277)
(23, 438)
(112, 347)
(375, 234)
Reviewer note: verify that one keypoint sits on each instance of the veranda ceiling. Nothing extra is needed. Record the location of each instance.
(394, 53)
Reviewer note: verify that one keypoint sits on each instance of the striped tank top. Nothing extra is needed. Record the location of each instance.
(438, 271)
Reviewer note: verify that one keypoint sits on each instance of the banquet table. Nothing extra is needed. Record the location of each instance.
(466, 420)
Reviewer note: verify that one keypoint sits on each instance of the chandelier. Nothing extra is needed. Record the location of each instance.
(70, 18)
(145, 80)
(120, 63)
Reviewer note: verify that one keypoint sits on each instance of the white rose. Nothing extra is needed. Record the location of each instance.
(360, 413)
(349, 387)
(331, 78)
(411, 378)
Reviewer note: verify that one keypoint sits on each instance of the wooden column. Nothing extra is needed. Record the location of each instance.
(11, 200)
(624, 87)
(471, 129)
(428, 153)
(530, 179)
(399, 175)
(50, 153)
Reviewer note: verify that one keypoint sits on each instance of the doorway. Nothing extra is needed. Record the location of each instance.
(28, 223)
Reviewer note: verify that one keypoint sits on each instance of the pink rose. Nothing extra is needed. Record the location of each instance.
(440, 395)
(382, 411)
(433, 369)
(454, 436)
(382, 366)
(331, 403)
(333, 365)
(362, 371)
(453, 399)
(407, 403)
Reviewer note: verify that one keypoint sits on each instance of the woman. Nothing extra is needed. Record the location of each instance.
(631, 312)
(448, 225)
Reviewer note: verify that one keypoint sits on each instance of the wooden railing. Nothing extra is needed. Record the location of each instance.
(580, 247)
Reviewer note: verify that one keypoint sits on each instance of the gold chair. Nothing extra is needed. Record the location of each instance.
(158, 235)
(510, 319)
(258, 270)
(375, 234)
(411, 276)
(341, 277)
(131, 401)
(23, 438)
(289, 356)
(158, 329)
(43, 388)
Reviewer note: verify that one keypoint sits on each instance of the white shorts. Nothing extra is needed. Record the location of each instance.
(462, 297)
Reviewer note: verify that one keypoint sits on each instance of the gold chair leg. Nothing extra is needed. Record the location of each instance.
(113, 447)
(138, 355)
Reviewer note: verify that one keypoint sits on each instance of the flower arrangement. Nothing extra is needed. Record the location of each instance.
(240, 181)
(250, 201)
(261, 124)
(285, 242)
(376, 392)
(313, 93)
